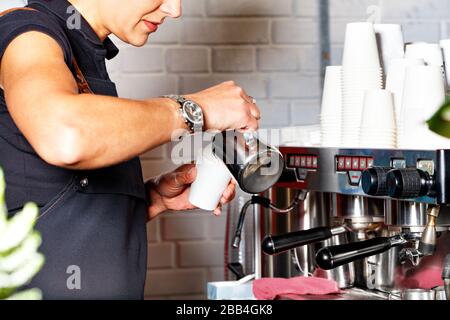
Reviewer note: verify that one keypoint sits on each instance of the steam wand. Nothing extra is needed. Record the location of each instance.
(300, 196)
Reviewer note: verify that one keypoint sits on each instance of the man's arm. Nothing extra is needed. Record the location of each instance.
(77, 131)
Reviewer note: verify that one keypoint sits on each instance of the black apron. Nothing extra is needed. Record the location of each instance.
(94, 228)
(95, 225)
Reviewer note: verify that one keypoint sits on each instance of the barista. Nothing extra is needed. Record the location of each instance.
(69, 144)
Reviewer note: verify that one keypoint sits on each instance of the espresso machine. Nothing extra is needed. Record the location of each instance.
(373, 220)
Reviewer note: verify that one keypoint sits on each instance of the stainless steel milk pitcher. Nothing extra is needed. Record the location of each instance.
(255, 165)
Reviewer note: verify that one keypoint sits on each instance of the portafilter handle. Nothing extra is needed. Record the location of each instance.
(281, 243)
(335, 256)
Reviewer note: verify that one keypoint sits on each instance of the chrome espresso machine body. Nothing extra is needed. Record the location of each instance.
(368, 218)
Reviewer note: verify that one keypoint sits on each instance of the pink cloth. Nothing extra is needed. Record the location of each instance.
(270, 288)
(426, 278)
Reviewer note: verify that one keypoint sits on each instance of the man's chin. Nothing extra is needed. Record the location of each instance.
(138, 41)
(141, 41)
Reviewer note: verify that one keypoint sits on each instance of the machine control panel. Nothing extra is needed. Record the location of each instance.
(414, 175)
(306, 162)
(352, 163)
(303, 164)
(353, 166)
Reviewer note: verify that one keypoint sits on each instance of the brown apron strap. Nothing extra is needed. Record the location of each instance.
(15, 9)
(83, 85)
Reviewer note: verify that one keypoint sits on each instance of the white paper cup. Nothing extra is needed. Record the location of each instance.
(332, 91)
(430, 52)
(360, 47)
(390, 43)
(212, 179)
(356, 80)
(423, 94)
(424, 90)
(331, 106)
(396, 79)
(378, 124)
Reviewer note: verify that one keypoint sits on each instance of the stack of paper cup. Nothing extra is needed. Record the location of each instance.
(211, 182)
(361, 71)
(378, 124)
(331, 114)
(423, 94)
(390, 43)
(396, 79)
(445, 46)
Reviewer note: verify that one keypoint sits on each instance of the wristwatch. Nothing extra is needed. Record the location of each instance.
(191, 112)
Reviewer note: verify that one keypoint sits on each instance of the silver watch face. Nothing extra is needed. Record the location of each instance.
(193, 112)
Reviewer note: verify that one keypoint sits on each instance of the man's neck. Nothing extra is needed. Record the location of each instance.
(90, 13)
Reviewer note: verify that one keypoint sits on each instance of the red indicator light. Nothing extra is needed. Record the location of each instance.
(315, 164)
(363, 163)
(348, 163)
(341, 163)
(303, 162)
(355, 164)
(309, 162)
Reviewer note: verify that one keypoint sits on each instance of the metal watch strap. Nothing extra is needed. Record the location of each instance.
(181, 100)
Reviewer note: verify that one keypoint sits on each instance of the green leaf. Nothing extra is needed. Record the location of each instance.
(440, 122)
(3, 216)
(6, 292)
(32, 294)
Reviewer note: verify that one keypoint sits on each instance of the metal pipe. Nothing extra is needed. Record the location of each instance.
(257, 241)
(325, 47)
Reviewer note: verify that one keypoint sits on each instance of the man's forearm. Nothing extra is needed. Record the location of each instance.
(112, 130)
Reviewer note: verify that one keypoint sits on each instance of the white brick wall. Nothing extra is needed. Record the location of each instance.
(270, 47)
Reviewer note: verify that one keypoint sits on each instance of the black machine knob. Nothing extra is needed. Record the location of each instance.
(409, 183)
(374, 181)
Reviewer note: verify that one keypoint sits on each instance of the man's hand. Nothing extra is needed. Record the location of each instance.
(227, 107)
(171, 192)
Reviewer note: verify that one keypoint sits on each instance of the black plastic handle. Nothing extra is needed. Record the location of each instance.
(335, 256)
(278, 244)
